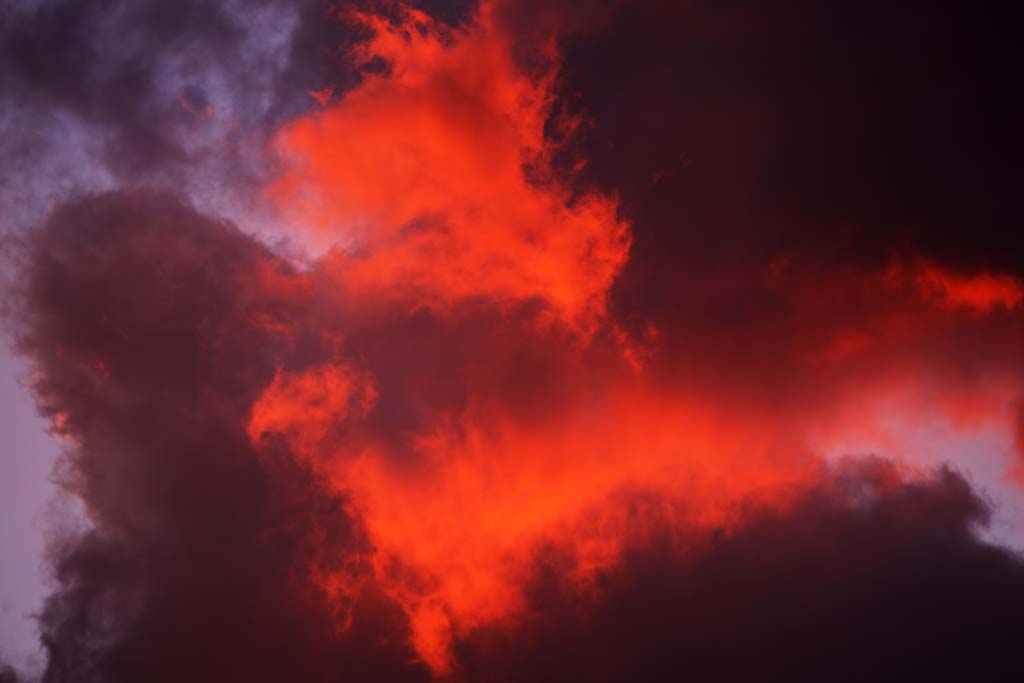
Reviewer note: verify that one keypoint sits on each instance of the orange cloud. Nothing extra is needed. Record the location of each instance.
(431, 186)
(982, 292)
(433, 179)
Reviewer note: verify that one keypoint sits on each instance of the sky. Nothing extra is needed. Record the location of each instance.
(506, 341)
(28, 455)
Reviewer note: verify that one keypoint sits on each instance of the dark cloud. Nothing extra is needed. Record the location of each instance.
(821, 138)
(142, 318)
(848, 129)
(7, 674)
(864, 578)
(734, 133)
(138, 313)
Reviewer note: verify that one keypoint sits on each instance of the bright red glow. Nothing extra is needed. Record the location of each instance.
(307, 405)
(434, 182)
(431, 185)
(982, 292)
(454, 529)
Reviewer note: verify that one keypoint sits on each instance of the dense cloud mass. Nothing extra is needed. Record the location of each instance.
(517, 341)
(862, 578)
(139, 318)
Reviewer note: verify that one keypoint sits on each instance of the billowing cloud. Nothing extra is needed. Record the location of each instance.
(434, 176)
(549, 376)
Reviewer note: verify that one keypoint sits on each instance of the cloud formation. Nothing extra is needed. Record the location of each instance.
(554, 392)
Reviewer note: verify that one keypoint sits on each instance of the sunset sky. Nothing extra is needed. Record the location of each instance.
(509, 341)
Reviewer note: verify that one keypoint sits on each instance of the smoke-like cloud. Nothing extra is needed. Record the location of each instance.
(863, 577)
(99, 95)
(140, 315)
(209, 558)
(587, 309)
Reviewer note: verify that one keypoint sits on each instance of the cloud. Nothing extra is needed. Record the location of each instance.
(139, 314)
(99, 96)
(864, 576)
(433, 177)
(556, 395)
